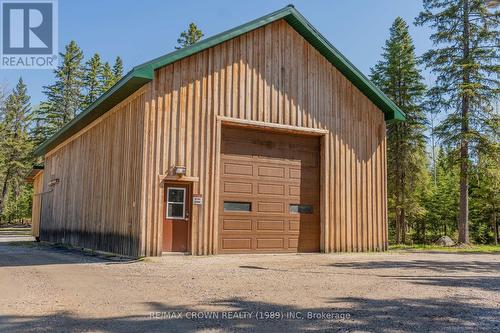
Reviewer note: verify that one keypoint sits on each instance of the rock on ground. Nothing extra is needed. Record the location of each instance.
(445, 241)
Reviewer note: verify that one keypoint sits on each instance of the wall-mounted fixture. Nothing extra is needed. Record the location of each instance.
(180, 170)
(54, 182)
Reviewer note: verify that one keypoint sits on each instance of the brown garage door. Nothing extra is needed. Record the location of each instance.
(269, 192)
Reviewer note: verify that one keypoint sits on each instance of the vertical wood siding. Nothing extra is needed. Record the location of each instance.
(96, 203)
(36, 208)
(270, 74)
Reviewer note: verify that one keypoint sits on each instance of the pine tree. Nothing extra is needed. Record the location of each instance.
(38, 133)
(3, 157)
(2, 97)
(485, 198)
(117, 69)
(465, 60)
(93, 68)
(442, 204)
(106, 79)
(18, 204)
(189, 37)
(15, 144)
(419, 190)
(398, 77)
(65, 96)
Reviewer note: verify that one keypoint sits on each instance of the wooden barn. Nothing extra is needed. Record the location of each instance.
(261, 139)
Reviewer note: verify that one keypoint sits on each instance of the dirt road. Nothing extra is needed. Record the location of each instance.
(46, 289)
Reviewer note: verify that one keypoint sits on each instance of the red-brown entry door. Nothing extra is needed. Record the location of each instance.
(176, 218)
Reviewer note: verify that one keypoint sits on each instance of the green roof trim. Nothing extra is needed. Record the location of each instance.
(144, 73)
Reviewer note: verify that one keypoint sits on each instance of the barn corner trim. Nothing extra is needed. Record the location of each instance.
(144, 73)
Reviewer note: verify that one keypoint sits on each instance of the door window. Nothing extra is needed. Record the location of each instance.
(176, 203)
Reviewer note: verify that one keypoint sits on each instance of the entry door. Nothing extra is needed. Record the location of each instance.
(177, 218)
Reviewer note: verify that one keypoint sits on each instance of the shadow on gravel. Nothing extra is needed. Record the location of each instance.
(435, 266)
(364, 314)
(33, 253)
(253, 267)
(463, 252)
(486, 283)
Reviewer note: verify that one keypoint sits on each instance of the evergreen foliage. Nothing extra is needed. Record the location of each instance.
(399, 78)
(189, 37)
(118, 69)
(65, 96)
(15, 149)
(106, 79)
(39, 132)
(465, 61)
(93, 69)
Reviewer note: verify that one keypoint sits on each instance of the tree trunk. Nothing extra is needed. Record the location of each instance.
(402, 191)
(404, 227)
(397, 188)
(463, 221)
(397, 232)
(424, 240)
(5, 187)
(497, 236)
(494, 225)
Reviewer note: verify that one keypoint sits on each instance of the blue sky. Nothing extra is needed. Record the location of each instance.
(142, 30)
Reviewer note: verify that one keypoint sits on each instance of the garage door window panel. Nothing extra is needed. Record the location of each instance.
(237, 206)
(301, 209)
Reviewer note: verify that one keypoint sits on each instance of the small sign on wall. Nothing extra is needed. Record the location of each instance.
(197, 199)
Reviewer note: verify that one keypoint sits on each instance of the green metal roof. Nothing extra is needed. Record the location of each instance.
(144, 73)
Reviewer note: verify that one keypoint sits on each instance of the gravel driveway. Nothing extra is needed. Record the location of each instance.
(48, 289)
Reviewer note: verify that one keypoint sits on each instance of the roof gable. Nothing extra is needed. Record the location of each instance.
(144, 73)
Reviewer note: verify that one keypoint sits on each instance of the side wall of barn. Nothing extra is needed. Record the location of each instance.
(92, 183)
(270, 75)
(36, 208)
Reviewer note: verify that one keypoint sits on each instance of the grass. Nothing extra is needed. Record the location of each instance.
(425, 247)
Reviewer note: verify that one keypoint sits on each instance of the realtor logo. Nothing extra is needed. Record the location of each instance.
(29, 34)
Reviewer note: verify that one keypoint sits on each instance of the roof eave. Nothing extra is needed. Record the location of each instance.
(35, 170)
